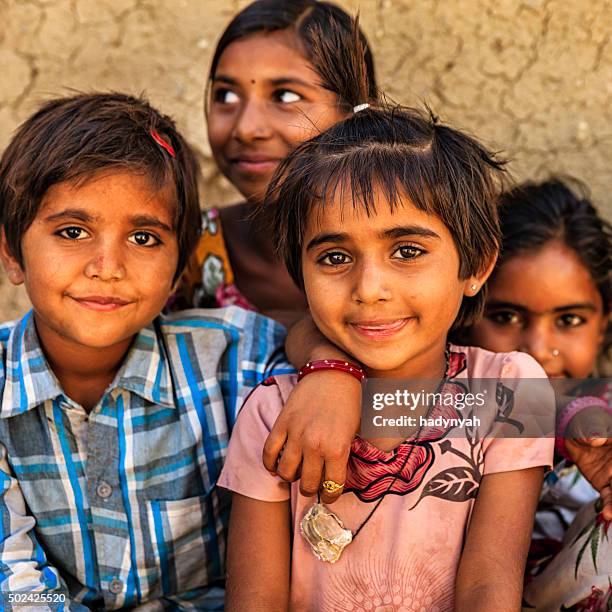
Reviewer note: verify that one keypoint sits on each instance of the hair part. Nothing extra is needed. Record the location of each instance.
(74, 138)
(406, 153)
(330, 38)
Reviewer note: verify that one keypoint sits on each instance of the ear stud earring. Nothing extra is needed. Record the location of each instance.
(473, 286)
(555, 352)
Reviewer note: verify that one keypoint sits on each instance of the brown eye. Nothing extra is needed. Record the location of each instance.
(73, 233)
(144, 239)
(226, 96)
(570, 320)
(286, 96)
(334, 259)
(408, 251)
(504, 317)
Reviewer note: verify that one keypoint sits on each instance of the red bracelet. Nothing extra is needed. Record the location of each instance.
(332, 364)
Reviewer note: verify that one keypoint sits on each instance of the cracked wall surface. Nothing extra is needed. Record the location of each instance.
(530, 77)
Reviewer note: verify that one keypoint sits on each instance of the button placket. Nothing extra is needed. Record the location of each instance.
(116, 586)
(104, 490)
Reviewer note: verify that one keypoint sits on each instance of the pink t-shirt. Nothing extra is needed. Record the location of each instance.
(406, 556)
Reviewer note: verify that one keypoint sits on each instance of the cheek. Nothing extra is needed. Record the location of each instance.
(325, 298)
(581, 350)
(44, 273)
(219, 131)
(155, 274)
(496, 338)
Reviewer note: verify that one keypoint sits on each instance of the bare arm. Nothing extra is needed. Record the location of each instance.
(320, 419)
(259, 556)
(490, 575)
(305, 343)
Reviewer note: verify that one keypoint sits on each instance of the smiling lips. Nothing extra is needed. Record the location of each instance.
(379, 330)
(101, 303)
(255, 164)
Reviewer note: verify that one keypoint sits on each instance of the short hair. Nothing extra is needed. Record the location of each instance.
(406, 153)
(74, 138)
(332, 42)
(535, 213)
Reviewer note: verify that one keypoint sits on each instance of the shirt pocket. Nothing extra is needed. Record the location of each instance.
(188, 542)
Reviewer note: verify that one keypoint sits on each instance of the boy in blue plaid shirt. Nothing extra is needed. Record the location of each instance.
(114, 421)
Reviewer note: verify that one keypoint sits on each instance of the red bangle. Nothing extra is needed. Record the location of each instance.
(332, 364)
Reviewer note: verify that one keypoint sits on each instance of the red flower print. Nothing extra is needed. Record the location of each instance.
(372, 473)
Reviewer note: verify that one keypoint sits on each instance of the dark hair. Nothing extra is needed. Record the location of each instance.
(73, 138)
(331, 39)
(406, 153)
(533, 214)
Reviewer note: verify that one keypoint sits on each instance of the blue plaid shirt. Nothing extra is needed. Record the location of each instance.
(119, 506)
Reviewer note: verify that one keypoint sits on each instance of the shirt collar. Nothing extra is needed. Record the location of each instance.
(29, 381)
(146, 370)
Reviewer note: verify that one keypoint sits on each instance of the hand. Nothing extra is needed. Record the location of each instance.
(589, 444)
(312, 436)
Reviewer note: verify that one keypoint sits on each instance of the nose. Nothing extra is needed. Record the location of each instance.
(371, 285)
(538, 340)
(253, 122)
(106, 262)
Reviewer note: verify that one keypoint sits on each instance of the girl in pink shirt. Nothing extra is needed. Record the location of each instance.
(388, 222)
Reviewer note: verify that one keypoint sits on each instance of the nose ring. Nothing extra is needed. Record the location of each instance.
(555, 352)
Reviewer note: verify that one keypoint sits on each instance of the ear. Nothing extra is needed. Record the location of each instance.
(12, 267)
(474, 283)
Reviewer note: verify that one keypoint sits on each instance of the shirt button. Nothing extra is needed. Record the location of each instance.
(115, 586)
(104, 490)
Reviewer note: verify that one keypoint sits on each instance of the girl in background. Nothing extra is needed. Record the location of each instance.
(278, 77)
(388, 221)
(550, 296)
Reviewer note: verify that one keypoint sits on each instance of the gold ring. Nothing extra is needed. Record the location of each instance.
(330, 486)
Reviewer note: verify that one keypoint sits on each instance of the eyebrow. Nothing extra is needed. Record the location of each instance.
(577, 306)
(149, 221)
(71, 213)
(393, 233)
(137, 221)
(409, 230)
(278, 82)
(220, 78)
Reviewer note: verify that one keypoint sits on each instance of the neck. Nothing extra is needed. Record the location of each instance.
(84, 373)
(428, 365)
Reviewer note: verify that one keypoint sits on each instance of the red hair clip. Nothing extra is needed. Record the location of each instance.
(162, 143)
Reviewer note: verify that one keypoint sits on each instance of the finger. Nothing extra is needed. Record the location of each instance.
(289, 463)
(274, 446)
(596, 441)
(335, 471)
(606, 498)
(590, 425)
(312, 473)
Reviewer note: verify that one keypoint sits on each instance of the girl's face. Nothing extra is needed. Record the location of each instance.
(546, 304)
(266, 99)
(384, 288)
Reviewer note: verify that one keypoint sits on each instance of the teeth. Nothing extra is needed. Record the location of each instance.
(381, 326)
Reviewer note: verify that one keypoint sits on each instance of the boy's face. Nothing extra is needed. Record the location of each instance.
(384, 288)
(98, 261)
